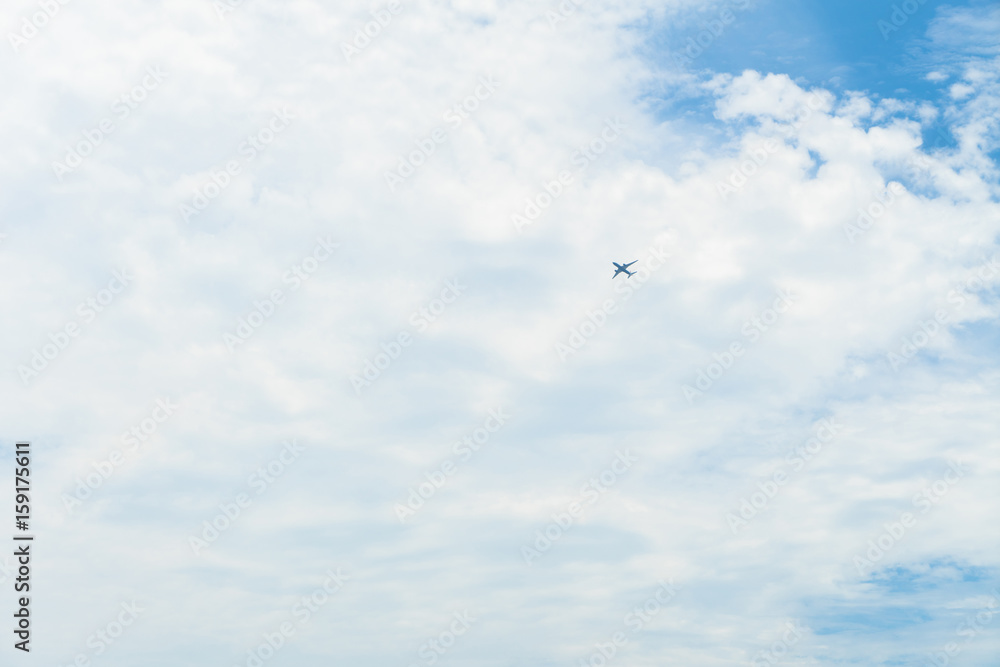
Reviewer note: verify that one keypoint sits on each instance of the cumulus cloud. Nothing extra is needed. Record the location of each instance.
(804, 256)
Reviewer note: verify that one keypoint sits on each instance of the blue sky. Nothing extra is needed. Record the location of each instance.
(300, 354)
(846, 46)
(840, 46)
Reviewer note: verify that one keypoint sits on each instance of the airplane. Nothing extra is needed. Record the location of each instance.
(623, 268)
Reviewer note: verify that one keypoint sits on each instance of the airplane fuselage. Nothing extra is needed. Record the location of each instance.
(623, 268)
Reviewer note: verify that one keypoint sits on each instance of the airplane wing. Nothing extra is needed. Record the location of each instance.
(630, 264)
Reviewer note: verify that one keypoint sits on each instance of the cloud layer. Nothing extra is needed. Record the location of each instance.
(277, 347)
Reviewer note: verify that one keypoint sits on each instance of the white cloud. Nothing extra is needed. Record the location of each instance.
(784, 227)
